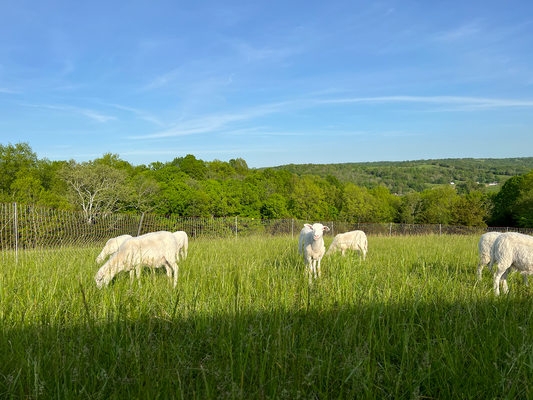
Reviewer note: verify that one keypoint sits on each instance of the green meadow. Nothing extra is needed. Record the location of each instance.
(409, 322)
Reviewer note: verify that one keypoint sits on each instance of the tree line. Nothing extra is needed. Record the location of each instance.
(187, 186)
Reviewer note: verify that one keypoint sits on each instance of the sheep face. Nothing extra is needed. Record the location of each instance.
(318, 230)
(101, 278)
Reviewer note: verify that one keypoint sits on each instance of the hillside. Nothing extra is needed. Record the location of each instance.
(408, 176)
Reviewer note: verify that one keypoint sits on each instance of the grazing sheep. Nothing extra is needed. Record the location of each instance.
(314, 248)
(183, 243)
(111, 246)
(511, 250)
(155, 249)
(354, 240)
(301, 240)
(485, 245)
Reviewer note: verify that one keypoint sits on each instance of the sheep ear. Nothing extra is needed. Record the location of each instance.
(326, 229)
(308, 226)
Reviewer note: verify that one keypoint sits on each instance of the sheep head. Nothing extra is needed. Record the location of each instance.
(318, 230)
(102, 277)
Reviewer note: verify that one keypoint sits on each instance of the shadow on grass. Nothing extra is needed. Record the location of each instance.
(394, 349)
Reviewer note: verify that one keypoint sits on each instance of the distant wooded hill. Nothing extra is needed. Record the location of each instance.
(407, 176)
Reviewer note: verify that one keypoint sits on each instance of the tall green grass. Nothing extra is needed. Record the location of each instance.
(409, 322)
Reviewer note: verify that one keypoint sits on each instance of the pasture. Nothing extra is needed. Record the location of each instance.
(409, 322)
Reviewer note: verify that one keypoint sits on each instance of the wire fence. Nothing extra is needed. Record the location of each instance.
(26, 228)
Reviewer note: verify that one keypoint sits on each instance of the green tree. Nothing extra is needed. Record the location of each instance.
(358, 204)
(469, 187)
(275, 207)
(522, 209)
(470, 210)
(217, 169)
(385, 205)
(308, 200)
(503, 201)
(240, 166)
(193, 167)
(174, 192)
(26, 188)
(113, 160)
(410, 208)
(437, 205)
(13, 159)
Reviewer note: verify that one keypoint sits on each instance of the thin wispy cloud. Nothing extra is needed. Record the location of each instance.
(214, 122)
(260, 131)
(470, 102)
(162, 80)
(75, 110)
(459, 33)
(140, 113)
(230, 79)
(222, 123)
(267, 52)
(8, 91)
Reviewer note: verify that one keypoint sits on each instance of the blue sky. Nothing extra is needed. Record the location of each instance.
(273, 82)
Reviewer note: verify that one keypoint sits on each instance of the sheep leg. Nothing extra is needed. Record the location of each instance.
(318, 267)
(504, 281)
(175, 267)
(138, 271)
(168, 267)
(496, 285)
(525, 280)
(489, 266)
(500, 274)
(310, 270)
(480, 271)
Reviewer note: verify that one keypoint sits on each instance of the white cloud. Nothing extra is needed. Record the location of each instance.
(75, 110)
(459, 33)
(140, 113)
(162, 80)
(8, 91)
(213, 122)
(467, 102)
(266, 53)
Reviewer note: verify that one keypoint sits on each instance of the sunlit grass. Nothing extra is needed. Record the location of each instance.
(410, 321)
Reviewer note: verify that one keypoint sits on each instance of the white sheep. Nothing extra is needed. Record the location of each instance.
(183, 243)
(314, 248)
(155, 249)
(511, 250)
(111, 246)
(485, 246)
(354, 240)
(301, 240)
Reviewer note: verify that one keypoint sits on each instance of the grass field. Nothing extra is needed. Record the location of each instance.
(409, 322)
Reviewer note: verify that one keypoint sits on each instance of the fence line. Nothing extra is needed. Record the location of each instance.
(27, 227)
